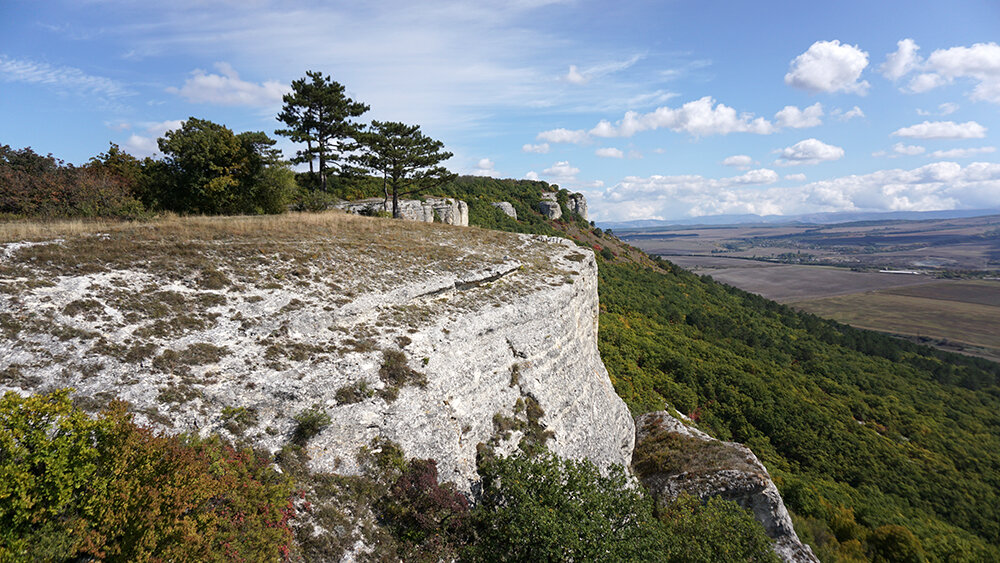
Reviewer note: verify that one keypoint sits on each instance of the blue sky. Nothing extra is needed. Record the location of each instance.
(666, 110)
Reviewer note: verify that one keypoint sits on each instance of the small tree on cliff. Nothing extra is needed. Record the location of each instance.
(318, 114)
(406, 159)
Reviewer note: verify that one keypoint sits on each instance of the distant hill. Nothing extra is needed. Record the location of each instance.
(810, 218)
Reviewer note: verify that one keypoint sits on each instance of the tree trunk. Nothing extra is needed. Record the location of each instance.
(395, 203)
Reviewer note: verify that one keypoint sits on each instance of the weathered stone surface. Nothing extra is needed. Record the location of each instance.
(550, 209)
(445, 210)
(578, 204)
(507, 208)
(287, 323)
(725, 469)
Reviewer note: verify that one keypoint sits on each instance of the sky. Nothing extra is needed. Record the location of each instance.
(654, 110)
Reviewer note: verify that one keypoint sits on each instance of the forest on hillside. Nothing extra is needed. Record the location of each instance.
(871, 439)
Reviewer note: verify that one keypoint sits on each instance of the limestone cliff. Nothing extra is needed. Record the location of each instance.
(673, 458)
(202, 323)
(433, 209)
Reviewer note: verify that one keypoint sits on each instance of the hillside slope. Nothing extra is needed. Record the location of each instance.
(882, 448)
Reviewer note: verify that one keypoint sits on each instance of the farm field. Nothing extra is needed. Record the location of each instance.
(786, 282)
(961, 316)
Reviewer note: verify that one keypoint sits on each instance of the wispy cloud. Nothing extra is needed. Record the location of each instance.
(64, 78)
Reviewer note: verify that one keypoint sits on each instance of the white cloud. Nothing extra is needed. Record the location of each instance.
(227, 89)
(578, 76)
(981, 62)
(942, 130)
(924, 82)
(561, 171)
(808, 151)
(562, 135)
(851, 114)
(740, 161)
(901, 62)
(941, 185)
(701, 118)
(754, 177)
(908, 150)
(574, 76)
(795, 177)
(795, 118)
(485, 167)
(145, 145)
(531, 175)
(962, 153)
(609, 152)
(65, 79)
(541, 148)
(828, 66)
(948, 108)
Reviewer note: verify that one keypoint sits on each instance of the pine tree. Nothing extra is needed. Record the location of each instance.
(318, 113)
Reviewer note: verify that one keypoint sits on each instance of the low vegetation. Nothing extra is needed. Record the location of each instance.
(79, 488)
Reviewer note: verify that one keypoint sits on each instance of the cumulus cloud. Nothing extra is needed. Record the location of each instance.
(740, 161)
(227, 89)
(850, 114)
(979, 63)
(485, 167)
(795, 177)
(941, 185)
(808, 151)
(145, 144)
(609, 152)
(701, 118)
(942, 130)
(795, 118)
(531, 175)
(541, 148)
(828, 66)
(561, 171)
(908, 150)
(757, 177)
(924, 82)
(902, 61)
(962, 153)
(562, 135)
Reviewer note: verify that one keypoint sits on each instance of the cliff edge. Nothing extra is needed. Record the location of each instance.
(434, 337)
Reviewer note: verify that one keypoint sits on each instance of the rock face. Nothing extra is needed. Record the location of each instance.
(507, 208)
(275, 323)
(549, 207)
(444, 210)
(578, 204)
(703, 466)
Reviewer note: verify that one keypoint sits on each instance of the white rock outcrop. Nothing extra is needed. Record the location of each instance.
(577, 203)
(275, 326)
(507, 208)
(724, 469)
(443, 210)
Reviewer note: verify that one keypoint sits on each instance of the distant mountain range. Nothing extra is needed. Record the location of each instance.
(809, 218)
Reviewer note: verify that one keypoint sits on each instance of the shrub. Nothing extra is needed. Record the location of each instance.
(544, 508)
(717, 530)
(79, 488)
(310, 423)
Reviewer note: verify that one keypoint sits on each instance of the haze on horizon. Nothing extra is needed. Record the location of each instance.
(654, 110)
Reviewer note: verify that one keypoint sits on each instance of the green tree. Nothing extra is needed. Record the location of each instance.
(406, 159)
(318, 113)
(209, 169)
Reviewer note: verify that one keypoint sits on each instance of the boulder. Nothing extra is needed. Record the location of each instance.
(672, 458)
